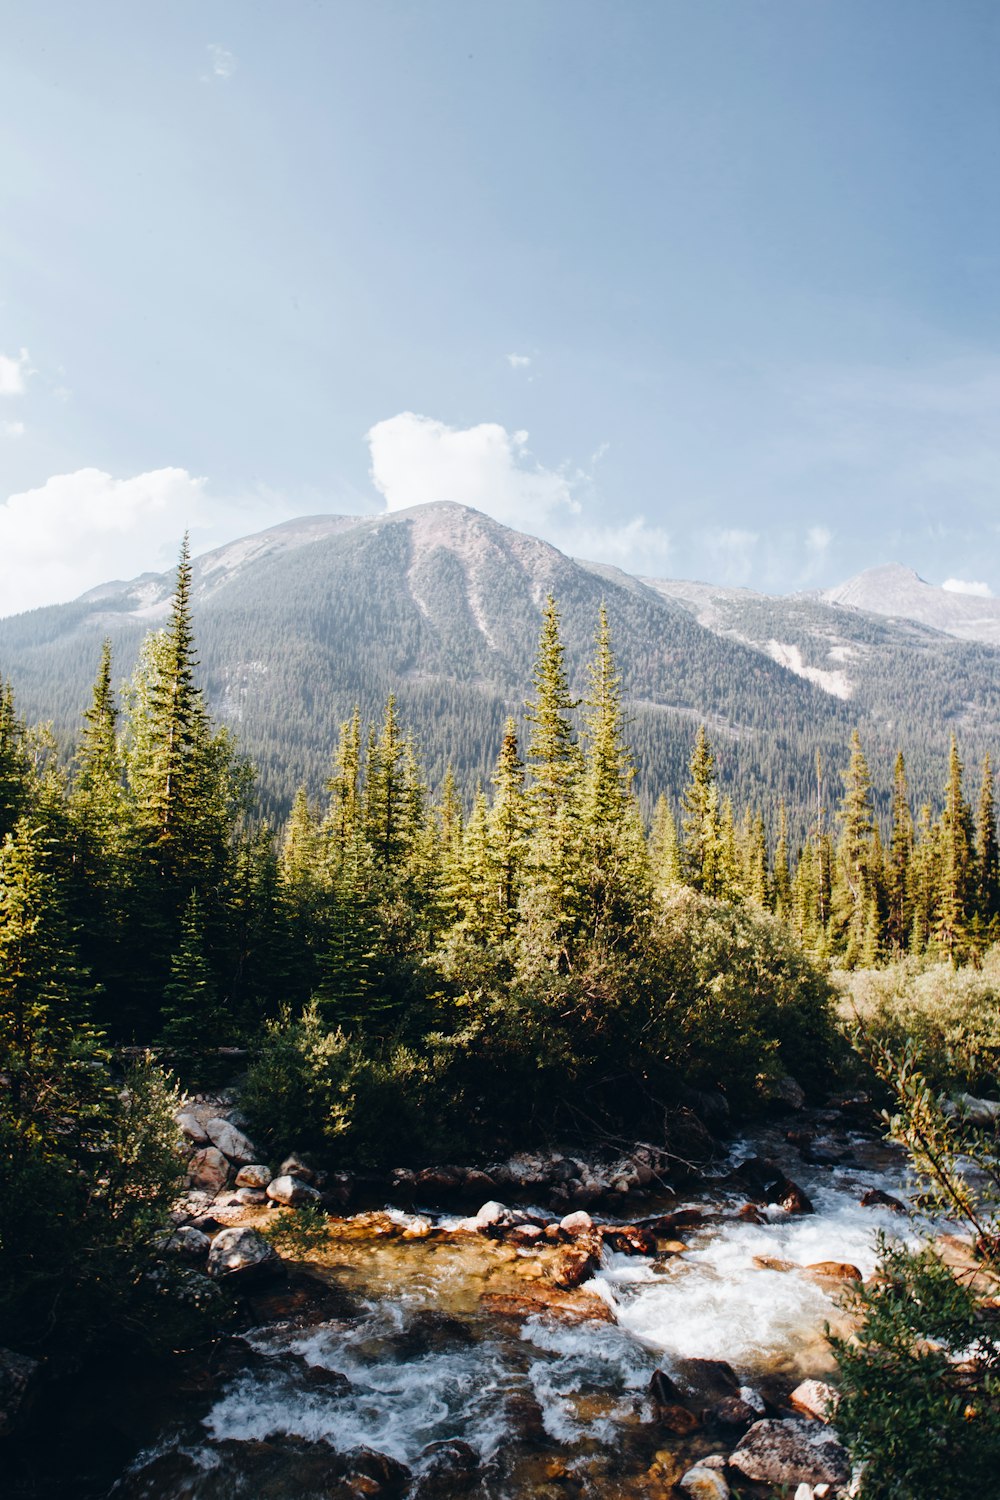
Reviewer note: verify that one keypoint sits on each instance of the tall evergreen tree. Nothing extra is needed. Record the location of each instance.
(956, 871)
(898, 870)
(987, 852)
(508, 829)
(701, 818)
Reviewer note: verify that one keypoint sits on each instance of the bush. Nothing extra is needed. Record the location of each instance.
(920, 1384)
(952, 1016)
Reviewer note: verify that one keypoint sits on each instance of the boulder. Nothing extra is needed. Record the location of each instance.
(788, 1092)
(577, 1223)
(290, 1192)
(631, 1239)
(834, 1270)
(191, 1127)
(231, 1142)
(573, 1265)
(208, 1169)
(255, 1175)
(702, 1483)
(677, 1419)
(767, 1181)
(981, 1112)
(495, 1215)
(187, 1242)
(251, 1197)
(241, 1252)
(793, 1451)
(875, 1198)
(814, 1398)
(437, 1180)
(18, 1376)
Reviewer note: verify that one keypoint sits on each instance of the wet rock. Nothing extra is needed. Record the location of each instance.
(416, 1227)
(231, 1142)
(337, 1189)
(562, 1306)
(875, 1198)
(702, 1483)
(573, 1265)
(477, 1182)
(751, 1215)
(294, 1166)
(241, 1252)
(766, 1180)
(251, 1197)
(814, 1398)
(372, 1473)
(677, 1419)
(630, 1239)
(290, 1192)
(834, 1270)
(733, 1411)
(525, 1419)
(711, 1379)
(430, 1330)
(792, 1451)
(255, 1175)
(446, 1468)
(527, 1234)
(208, 1169)
(576, 1223)
(663, 1389)
(774, 1263)
(19, 1376)
(494, 1215)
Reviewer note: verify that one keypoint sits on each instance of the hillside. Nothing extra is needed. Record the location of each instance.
(440, 604)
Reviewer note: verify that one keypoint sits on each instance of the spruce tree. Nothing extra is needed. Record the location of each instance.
(956, 871)
(987, 853)
(701, 818)
(664, 850)
(508, 829)
(899, 875)
(194, 1020)
(15, 764)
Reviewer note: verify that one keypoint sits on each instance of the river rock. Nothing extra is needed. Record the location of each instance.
(577, 1223)
(792, 1451)
(231, 1142)
(191, 1127)
(767, 1181)
(875, 1198)
(251, 1197)
(371, 1473)
(981, 1112)
(290, 1192)
(677, 1419)
(255, 1175)
(630, 1239)
(834, 1270)
(209, 1169)
(702, 1483)
(240, 1252)
(18, 1376)
(814, 1398)
(445, 1464)
(187, 1242)
(788, 1092)
(573, 1265)
(494, 1215)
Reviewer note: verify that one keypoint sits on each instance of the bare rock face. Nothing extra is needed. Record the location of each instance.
(241, 1252)
(208, 1169)
(256, 1175)
(794, 1451)
(231, 1142)
(290, 1192)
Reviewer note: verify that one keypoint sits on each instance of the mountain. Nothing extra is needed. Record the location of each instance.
(900, 593)
(441, 605)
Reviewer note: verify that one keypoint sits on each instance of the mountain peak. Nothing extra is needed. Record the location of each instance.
(898, 592)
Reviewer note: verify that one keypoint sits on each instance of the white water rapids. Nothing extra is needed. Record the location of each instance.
(574, 1388)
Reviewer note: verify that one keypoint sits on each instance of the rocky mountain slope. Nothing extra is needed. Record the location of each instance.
(441, 605)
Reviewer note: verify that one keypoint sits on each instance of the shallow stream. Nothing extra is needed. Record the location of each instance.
(449, 1362)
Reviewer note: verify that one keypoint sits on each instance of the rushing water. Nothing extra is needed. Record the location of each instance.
(527, 1403)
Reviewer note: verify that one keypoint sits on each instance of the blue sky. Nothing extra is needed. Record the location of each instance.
(708, 288)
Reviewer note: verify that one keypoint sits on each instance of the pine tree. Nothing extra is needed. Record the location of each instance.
(987, 852)
(855, 888)
(194, 1020)
(899, 872)
(15, 764)
(508, 829)
(553, 755)
(664, 850)
(343, 819)
(781, 876)
(701, 818)
(956, 871)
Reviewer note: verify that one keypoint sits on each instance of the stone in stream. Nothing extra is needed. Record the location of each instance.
(294, 1166)
(814, 1398)
(208, 1169)
(444, 1465)
(875, 1198)
(187, 1243)
(793, 1451)
(231, 1142)
(249, 1197)
(254, 1175)
(834, 1270)
(573, 1265)
(577, 1223)
(290, 1192)
(767, 1181)
(241, 1252)
(629, 1239)
(702, 1483)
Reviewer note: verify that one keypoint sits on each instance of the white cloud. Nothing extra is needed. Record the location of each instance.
(416, 460)
(13, 369)
(635, 546)
(733, 550)
(964, 586)
(818, 539)
(222, 61)
(12, 429)
(519, 361)
(84, 528)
